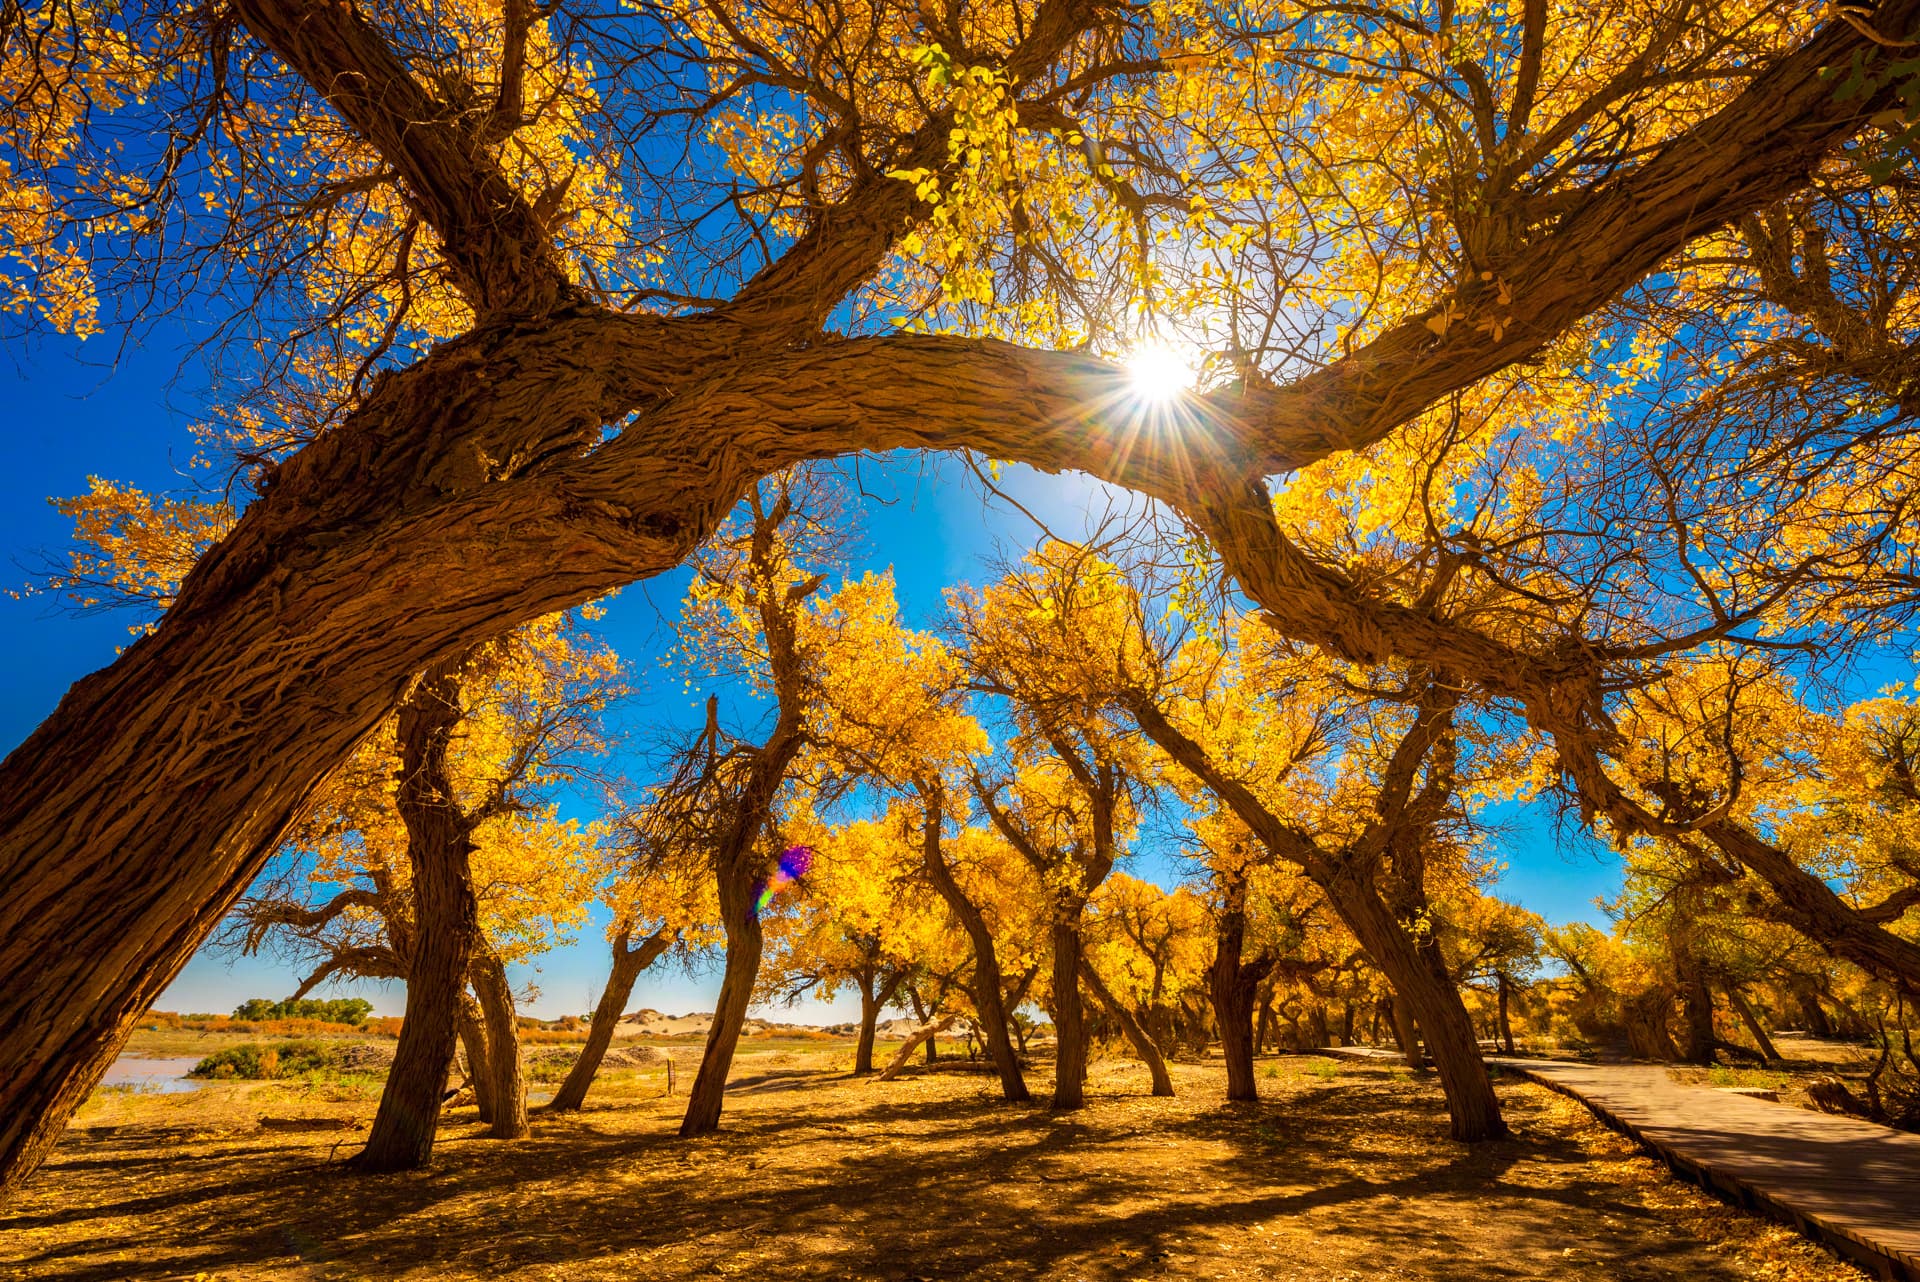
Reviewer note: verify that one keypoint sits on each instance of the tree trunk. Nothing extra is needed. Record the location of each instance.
(1135, 1032)
(1808, 999)
(987, 1001)
(628, 963)
(1745, 1010)
(1346, 1022)
(503, 1047)
(473, 1039)
(1432, 1003)
(1406, 1032)
(924, 1033)
(873, 1000)
(1069, 1022)
(1696, 1010)
(153, 795)
(744, 942)
(446, 929)
(1231, 986)
(1318, 1034)
(1506, 1028)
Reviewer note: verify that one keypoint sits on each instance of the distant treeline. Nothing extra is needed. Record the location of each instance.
(340, 1010)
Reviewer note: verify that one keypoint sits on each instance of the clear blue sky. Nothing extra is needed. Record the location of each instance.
(69, 409)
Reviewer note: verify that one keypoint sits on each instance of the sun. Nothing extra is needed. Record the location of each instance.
(1159, 372)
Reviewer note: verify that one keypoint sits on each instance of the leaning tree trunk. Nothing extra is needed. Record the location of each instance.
(477, 482)
(1743, 1008)
(1432, 1003)
(924, 1033)
(1130, 1025)
(446, 928)
(503, 1048)
(628, 963)
(988, 1003)
(1069, 1022)
(473, 1040)
(744, 942)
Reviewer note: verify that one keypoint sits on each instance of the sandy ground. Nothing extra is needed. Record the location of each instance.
(1341, 1172)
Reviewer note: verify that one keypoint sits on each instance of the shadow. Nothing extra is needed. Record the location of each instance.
(932, 1179)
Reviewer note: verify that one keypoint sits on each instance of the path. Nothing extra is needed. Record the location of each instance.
(1849, 1183)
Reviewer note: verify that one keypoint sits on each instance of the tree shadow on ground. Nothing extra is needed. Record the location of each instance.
(816, 1177)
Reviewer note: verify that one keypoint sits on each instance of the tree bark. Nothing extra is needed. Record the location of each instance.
(138, 812)
(1231, 985)
(1755, 1028)
(1406, 1034)
(503, 1047)
(1136, 1033)
(1808, 999)
(1506, 1028)
(873, 1000)
(628, 963)
(473, 1039)
(924, 1033)
(744, 943)
(987, 1002)
(1069, 1022)
(447, 928)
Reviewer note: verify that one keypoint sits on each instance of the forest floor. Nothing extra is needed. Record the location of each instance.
(1342, 1171)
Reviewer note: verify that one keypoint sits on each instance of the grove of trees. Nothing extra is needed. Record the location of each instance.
(1547, 440)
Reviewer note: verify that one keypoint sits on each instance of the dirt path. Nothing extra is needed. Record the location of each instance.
(1341, 1173)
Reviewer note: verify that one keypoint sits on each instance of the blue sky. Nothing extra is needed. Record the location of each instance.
(68, 410)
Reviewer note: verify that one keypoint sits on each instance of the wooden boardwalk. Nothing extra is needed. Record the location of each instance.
(1848, 1183)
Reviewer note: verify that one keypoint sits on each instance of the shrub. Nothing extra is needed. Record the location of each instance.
(255, 1062)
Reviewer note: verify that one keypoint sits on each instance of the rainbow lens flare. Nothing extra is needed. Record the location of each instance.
(792, 866)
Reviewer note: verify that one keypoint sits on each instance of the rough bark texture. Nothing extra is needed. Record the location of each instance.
(462, 499)
(1136, 1033)
(987, 1001)
(504, 1066)
(473, 1041)
(744, 940)
(1069, 1022)
(628, 963)
(1406, 1034)
(439, 845)
(1231, 985)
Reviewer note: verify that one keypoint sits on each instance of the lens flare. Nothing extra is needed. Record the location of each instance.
(1159, 372)
(791, 867)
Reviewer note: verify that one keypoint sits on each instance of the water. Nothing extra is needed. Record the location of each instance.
(165, 1074)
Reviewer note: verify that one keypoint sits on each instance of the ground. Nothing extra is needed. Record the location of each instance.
(1342, 1171)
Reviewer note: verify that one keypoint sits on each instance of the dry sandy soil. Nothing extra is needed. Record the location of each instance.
(1341, 1172)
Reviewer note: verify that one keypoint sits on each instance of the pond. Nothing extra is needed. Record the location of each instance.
(164, 1074)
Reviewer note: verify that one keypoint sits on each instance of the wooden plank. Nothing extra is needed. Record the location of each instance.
(1849, 1183)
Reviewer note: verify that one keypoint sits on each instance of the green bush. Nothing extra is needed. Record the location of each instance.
(339, 1010)
(256, 1062)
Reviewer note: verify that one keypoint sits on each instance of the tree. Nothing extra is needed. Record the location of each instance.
(863, 923)
(495, 735)
(448, 163)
